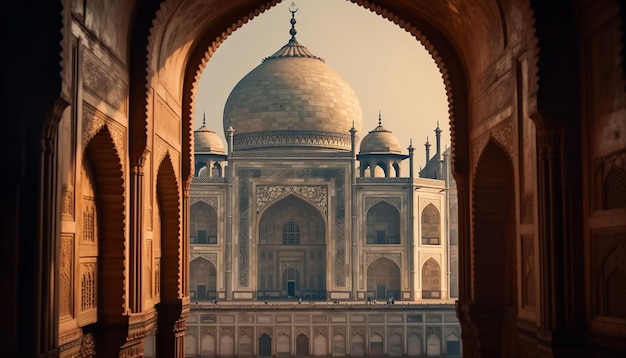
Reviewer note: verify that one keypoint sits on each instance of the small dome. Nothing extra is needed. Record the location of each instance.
(207, 142)
(380, 141)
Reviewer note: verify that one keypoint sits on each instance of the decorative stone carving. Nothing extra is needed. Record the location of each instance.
(395, 330)
(88, 287)
(339, 330)
(528, 272)
(415, 330)
(314, 194)
(207, 331)
(608, 269)
(396, 257)
(371, 201)
(210, 200)
(290, 138)
(94, 120)
(377, 331)
(425, 202)
(245, 331)
(358, 331)
(101, 82)
(340, 259)
(303, 330)
(321, 331)
(227, 331)
(433, 330)
(67, 205)
(210, 256)
(66, 276)
(286, 265)
(283, 331)
(87, 346)
(503, 133)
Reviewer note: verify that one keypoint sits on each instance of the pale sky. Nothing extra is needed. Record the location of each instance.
(389, 70)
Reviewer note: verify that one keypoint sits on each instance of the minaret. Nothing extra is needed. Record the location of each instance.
(231, 133)
(411, 149)
(427, 145)
(438, 136)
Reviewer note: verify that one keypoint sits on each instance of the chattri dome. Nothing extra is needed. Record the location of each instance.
(380, 141)
(205, 141)
(292, 100)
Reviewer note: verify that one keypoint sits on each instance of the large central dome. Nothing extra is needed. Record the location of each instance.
(292, 100)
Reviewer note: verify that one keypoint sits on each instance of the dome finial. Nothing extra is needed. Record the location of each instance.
(380, 118)
(293, 9)
(203, 118)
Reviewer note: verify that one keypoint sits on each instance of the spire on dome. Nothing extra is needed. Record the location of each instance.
(380, 119)
(293, 48)
(203, 118)
(293, 9)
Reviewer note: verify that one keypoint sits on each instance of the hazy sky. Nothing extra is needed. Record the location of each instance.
(389, 70)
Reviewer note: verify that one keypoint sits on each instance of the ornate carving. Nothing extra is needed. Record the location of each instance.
(433, 330)
(211, 256)
(395, 330)
(608, 265)
(321, 331)
(314, 194)
(277, 139)
(207, 331)
(415, 330)
(503, 133)
(611, 177)
(373, 256)
(425, 202)
(303, 330)
(528, 271)
(283, 331)
(357, 331)
(211, 200)
(227, 331)
(67, 205)
(89, 221)
(100, 81)
(245, 331)
(377, 331)
(66, 276)
(87, 346)
(527, 208)
(391, 180)
(339, 331)
(371, 201)
(340, 258)
(264, 330)
(94, 120)
(286, 265)
(88, 287)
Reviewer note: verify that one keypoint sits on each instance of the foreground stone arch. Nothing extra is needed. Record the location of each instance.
(504, 63)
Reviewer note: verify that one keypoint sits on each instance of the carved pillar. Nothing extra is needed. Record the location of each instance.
(48, 235)
(354, 255)
(136, 235)
(172, 324)
(470, 345)
(228, 239)
(555, 246)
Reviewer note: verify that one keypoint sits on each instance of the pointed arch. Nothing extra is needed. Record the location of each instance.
(383, 279)
(203, 224)
(383, 224)
(202, 279)
(106, 165)
(431, 279)
(494, 242)
(431, 225)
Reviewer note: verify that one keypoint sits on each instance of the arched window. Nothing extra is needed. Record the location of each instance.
(431, 227)
(203, 224)
(291, 234)
(383, 224)
(431, 279)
